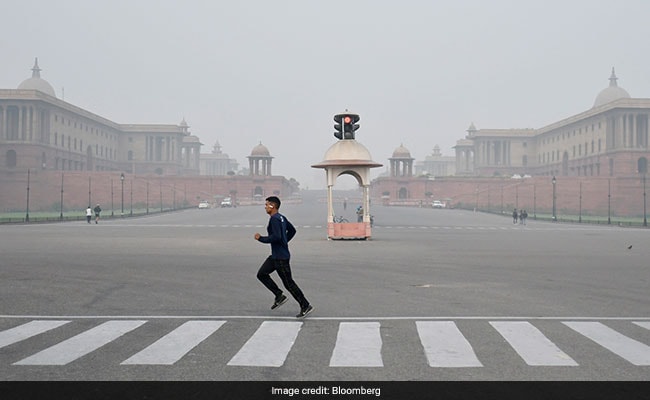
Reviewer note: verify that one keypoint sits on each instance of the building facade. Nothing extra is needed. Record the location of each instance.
(436, 164)
(40, 131)
(218, 163)
(608, 140)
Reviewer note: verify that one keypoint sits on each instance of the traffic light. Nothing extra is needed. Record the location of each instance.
(339, 126)
(350, 125)
(346, 125)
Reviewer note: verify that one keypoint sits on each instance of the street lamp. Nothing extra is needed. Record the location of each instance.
(61, 215)
(27, 210)
(534, 201)
(609, 201)
(645, 219)
(554, 181)
(131, 213)
(147, 197)
(112, 208)
(122, 180)
(501, 198)
(580, 205)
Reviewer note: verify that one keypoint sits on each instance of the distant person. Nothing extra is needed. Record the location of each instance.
(360, 214)
(524, 216)
(280, 232)
(89, 214)
(514, 216)
(97, 210)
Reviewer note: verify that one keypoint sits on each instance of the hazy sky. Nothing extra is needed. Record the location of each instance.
(417, 72)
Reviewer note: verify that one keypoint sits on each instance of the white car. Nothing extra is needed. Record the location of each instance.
(438, 204)
(204, 204)
(227, 202)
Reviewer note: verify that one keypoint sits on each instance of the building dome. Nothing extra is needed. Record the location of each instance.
(347, 152)
(260, 151)
(611, 93)
(36, 82)
(401, 152)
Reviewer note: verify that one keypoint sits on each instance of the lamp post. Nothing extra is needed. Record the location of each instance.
(554, 181)
(609, 202)
(122, 180)
(517, 196)
(534, 201)
(476, 209)
(89, 191)
(131, 197)
(112, 208)
(61, 215)
(645, 219)
(501, 198)
(27, 209)
(488, 199)
(580, 205)
(147, 197)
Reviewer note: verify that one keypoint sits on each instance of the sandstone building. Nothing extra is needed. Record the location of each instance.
(609, 139)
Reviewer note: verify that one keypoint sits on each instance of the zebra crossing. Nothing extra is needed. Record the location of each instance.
(358, 344)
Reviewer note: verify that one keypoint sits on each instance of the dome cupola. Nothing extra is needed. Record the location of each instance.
(611, 93)
(260, 150)
(36, 82)
(401, 152)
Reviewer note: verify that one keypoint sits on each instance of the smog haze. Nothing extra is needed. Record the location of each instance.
(240, 73)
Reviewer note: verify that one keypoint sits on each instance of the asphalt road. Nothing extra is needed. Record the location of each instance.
(434, 295)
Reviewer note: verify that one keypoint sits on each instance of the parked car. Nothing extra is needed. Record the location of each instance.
(204, 204)
(227, 202)
(438, 204)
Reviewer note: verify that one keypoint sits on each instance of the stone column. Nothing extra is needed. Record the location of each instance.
(330, 205)
(20, 124)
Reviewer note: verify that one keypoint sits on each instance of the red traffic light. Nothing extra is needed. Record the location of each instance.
(347, 119)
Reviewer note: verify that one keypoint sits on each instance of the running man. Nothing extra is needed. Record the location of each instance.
(280, 232)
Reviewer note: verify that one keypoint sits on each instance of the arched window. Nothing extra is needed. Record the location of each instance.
(11, 158)
(642, 165)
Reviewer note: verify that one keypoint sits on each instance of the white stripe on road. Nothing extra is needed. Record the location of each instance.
(25, 331)
(531, 344)
(633, 351)
(358, 344)
(643, 324)
(445, 346)
(82, 344)
(269, 345)
(173, 346)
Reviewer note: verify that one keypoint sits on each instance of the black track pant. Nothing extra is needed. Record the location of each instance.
(284, 270)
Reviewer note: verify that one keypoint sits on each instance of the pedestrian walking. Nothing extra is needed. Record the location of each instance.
(280, 231)
(89, 214)
(97, 210)
(514, 216)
